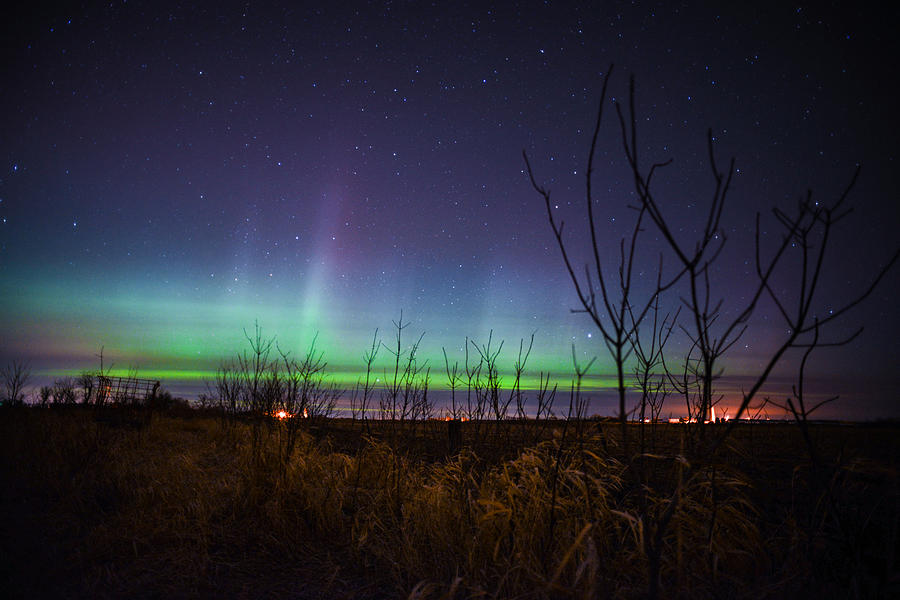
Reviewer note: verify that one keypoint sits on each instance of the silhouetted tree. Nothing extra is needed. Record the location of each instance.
(15, 376)
(607, 300)
(711, 333)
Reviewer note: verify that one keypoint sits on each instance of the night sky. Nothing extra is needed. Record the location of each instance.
(171, 174)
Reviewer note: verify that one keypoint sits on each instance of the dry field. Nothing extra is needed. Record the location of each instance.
(195, 505)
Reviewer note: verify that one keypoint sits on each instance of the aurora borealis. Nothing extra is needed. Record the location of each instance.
(173, 173)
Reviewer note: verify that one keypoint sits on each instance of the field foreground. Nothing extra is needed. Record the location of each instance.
(192, 505)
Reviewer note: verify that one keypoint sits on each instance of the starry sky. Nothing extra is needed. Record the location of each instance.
(173, 173)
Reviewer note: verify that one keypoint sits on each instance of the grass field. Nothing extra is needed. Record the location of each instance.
(194, 505)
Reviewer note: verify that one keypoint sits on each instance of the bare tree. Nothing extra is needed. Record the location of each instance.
(518, 371)
(695, 258)
(612, 309)
(711, 333)
(453, 381)
(15, 377)
(86, 383)
(225, 391)
(490, 386)
(649, 369)
(475, 407)
(64, 391)
(300, 392)
(360, 405)
(405, 395)
(809, 230)
(252, 367)
(43, 396)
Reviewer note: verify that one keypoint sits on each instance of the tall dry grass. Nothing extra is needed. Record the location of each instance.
(555, 521)
(188, 507)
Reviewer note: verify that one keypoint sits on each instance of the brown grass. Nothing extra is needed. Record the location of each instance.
(185, 508)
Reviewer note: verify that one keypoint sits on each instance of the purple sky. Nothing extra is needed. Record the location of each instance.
(171, 173)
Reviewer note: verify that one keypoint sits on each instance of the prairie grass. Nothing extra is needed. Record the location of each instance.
(186, 507)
